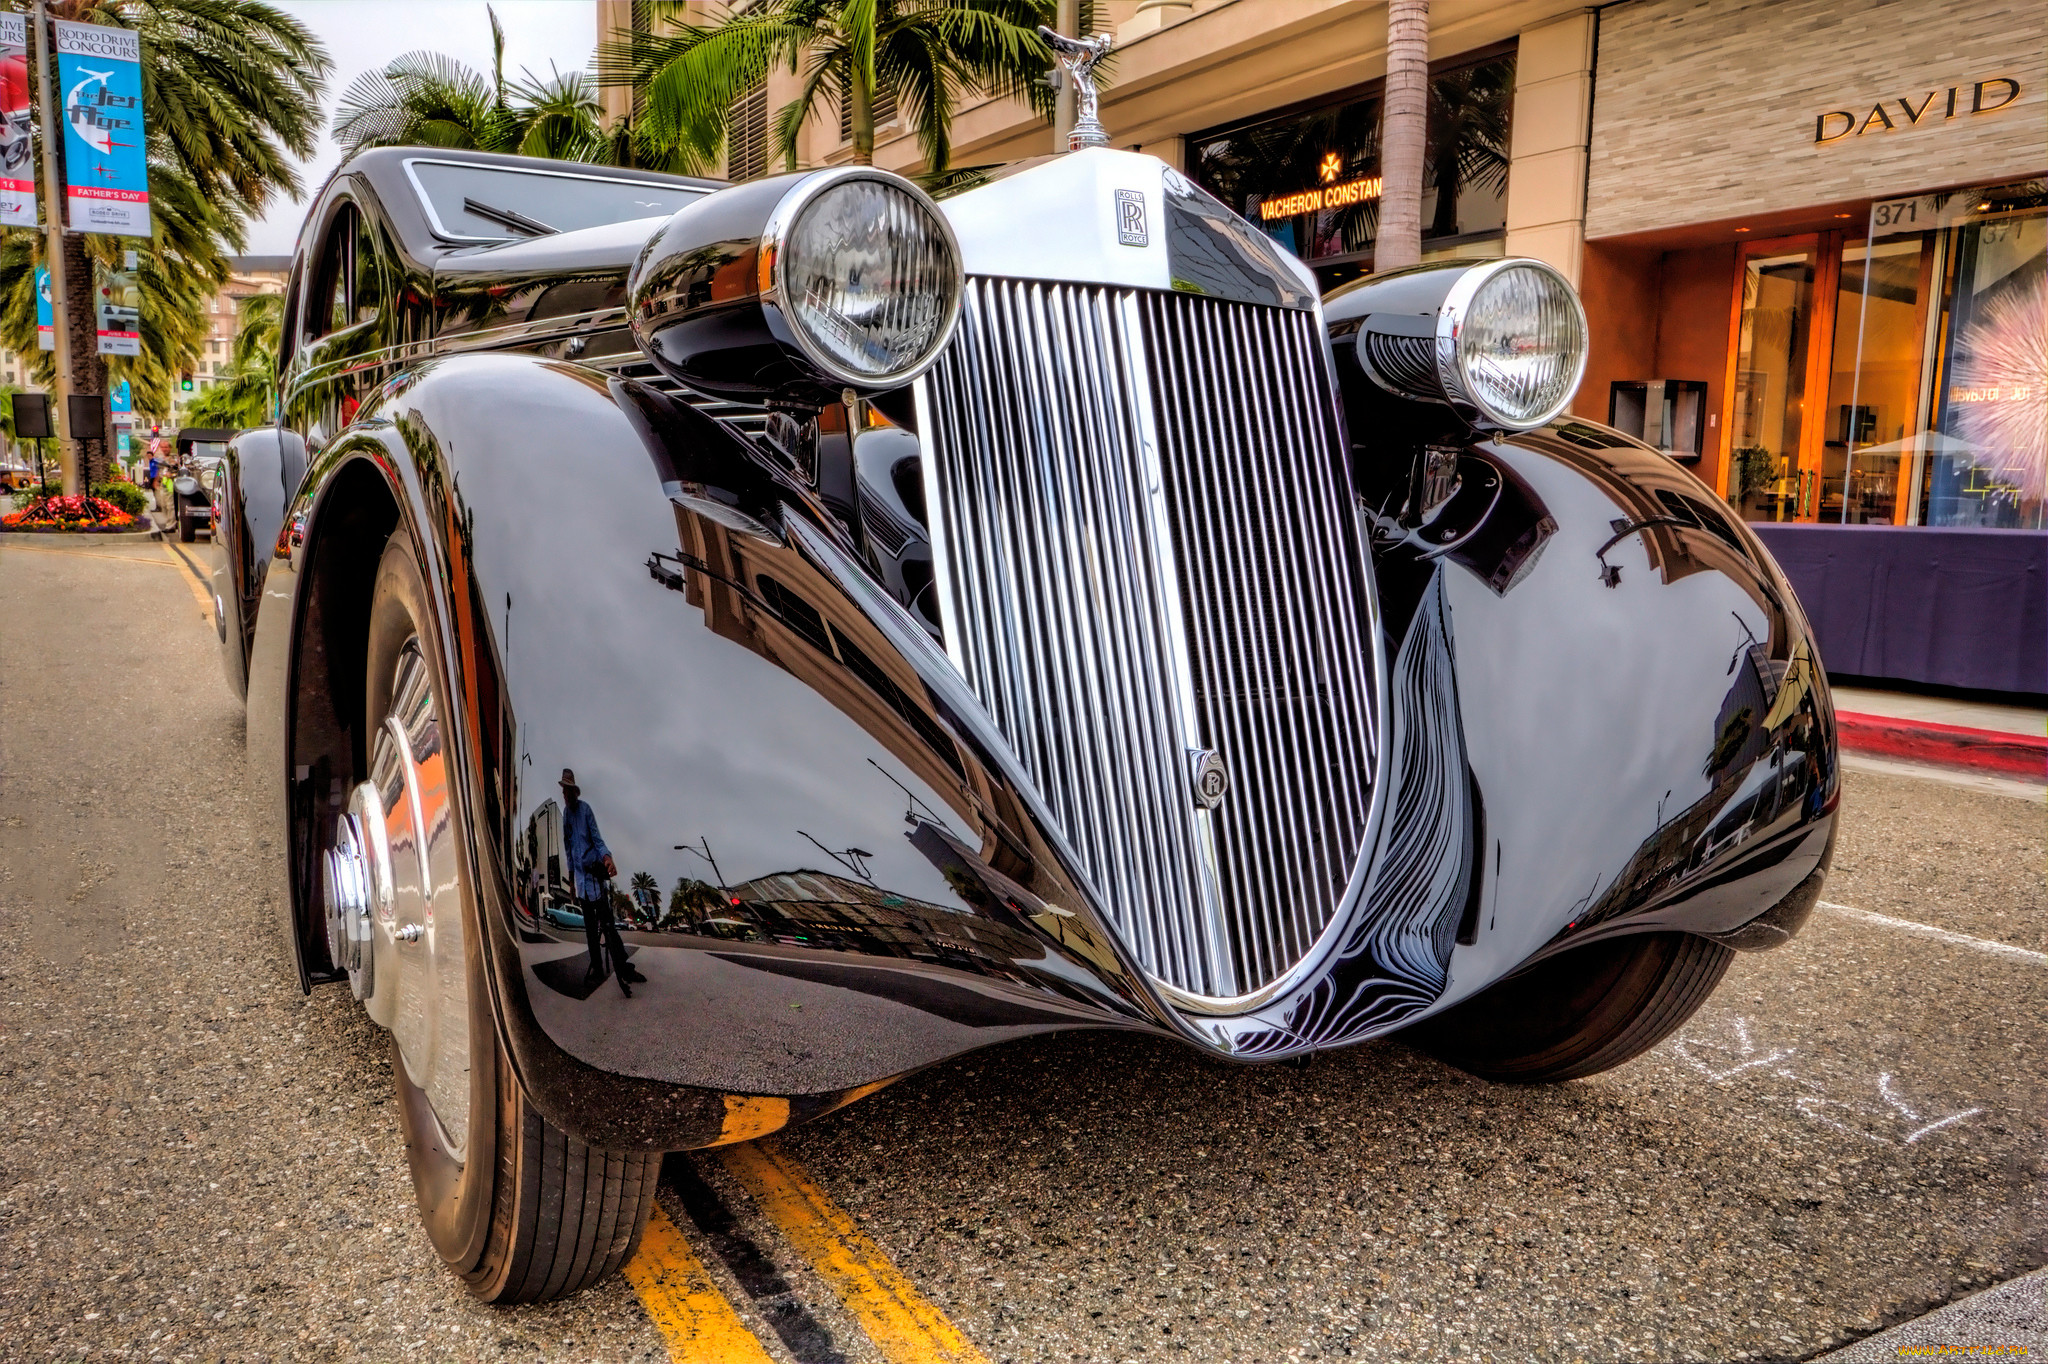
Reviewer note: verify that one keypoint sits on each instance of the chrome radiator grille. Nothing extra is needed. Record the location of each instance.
(1144, 529)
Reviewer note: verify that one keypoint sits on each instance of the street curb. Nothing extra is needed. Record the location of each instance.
(84, 534)
(2017, 755)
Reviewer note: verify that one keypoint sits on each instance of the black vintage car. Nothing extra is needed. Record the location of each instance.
(189, 500)
(958, 621)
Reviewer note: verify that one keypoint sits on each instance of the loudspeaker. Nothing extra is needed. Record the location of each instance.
(86, 414)
(32, 416)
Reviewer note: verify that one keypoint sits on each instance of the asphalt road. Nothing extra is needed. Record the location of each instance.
(197, 1162)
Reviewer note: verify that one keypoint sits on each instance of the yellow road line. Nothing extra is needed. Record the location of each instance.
(902, 1323)
(687, 1308)
(199, 592)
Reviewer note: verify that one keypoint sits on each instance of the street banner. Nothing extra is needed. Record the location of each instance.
(106, 179)
(46, 321)
(118, 308)
(121, 405)
(17, 153)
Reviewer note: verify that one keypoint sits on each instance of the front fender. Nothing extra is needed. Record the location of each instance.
(260, 473)
(825, 877)
(1645, 713)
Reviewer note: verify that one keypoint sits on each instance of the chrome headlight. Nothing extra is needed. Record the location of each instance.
(798, 287)
(1503, 342)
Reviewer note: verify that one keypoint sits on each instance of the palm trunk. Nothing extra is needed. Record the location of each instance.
(88, 366)
(863, 97)
(1404, 133)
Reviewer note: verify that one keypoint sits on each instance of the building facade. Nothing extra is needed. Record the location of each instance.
(1809, 234)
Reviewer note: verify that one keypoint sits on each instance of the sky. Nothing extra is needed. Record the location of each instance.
(363, 35)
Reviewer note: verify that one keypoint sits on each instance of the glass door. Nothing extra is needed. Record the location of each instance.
(1877, 387)
(1784, 311)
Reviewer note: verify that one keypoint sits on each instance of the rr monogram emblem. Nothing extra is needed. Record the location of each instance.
(1130, 217)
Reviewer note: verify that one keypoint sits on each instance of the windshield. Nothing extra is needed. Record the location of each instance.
(502, 203)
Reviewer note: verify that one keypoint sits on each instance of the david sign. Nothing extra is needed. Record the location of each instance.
(106, 180)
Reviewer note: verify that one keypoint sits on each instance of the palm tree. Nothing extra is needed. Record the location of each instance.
(429, 99)
(1403, 136)
(246, 395)
(230, 92)
(925, 54)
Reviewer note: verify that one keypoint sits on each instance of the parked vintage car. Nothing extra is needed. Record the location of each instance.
(189, 500)
(968, 619)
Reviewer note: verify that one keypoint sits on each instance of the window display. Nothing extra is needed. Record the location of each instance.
(1940, 391)
(1311, 179)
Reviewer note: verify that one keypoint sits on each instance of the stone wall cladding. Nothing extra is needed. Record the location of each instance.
(1704, 109)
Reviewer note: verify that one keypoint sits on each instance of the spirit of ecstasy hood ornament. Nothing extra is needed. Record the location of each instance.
(1079, 56)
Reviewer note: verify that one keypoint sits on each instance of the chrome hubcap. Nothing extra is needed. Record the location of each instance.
(394, 909)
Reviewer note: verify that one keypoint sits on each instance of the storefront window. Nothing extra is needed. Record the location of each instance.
(1311, 179)
(1939, 395)
(1879, 340)
(1770, 383)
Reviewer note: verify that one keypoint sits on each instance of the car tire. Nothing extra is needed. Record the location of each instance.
(1578, 1014)
(188, 528)
(526, 1213)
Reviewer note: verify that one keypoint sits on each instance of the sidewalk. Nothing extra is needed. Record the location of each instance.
(2009, 740)
(2007, 1320)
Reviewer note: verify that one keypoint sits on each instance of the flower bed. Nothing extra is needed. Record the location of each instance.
(88, 514)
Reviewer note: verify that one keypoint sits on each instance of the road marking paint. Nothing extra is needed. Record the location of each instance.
(146, 562)
(1997, 949)
(775, 1300)
(749, 1117)
(685, 1306)
(902, 1323)
(196, 582)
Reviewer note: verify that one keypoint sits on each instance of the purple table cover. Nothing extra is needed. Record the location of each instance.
(1950, 608)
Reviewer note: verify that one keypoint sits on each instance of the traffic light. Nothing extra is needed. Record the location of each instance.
(185, 382)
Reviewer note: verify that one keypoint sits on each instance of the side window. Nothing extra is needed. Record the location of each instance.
(344, 290)
(365, 293)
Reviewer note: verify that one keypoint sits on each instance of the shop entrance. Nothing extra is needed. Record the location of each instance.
(1785, 289)
(1892, 375)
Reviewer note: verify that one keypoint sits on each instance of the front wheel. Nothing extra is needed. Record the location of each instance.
(1578, 1014)
(188, 526)
(521, 1210)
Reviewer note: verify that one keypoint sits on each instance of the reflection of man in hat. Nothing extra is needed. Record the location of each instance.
(590, 863)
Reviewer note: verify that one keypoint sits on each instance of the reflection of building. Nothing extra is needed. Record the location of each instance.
(539, 865)
(769, 598)
(1276, 103)
(1822, 244)
(1762, 764)
(1680, 527)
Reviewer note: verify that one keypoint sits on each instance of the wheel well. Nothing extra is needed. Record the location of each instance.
(328, 752)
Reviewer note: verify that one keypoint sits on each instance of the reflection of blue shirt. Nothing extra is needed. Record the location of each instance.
(586, 849)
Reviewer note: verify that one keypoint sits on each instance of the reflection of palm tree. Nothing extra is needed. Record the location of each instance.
(1468, 135)
(695, 901)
